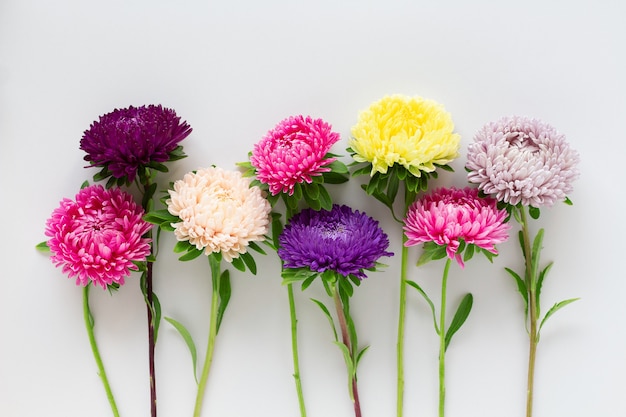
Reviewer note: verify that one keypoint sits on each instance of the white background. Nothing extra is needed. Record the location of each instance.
(233, 69)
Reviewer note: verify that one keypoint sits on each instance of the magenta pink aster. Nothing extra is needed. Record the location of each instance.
(448, 216)
(293, 152)
(98, 236)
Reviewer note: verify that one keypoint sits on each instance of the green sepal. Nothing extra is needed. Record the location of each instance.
(568, 201)
(43, 247)
(255, 247)
(193, 253)
(325, 199)
(431, 252)
(249, 261)
(239, 264)
(176, 154)
(534, 212)
(182, 330)
(462, 312)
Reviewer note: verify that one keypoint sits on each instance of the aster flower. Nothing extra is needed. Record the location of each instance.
(522, 160)
(293, 162)
(294, 152)
(97, 238)
(400, 142)
(127, 141)
(451, 217)
(130, 146)
(449, 221)
(217, 213)
(338, 245)
(526, 164)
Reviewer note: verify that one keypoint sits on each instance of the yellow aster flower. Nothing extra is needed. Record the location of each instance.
(410, 131)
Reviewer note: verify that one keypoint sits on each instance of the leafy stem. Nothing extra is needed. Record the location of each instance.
(89, 325)
(348, 341)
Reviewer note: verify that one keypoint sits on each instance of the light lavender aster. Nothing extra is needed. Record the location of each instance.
(522, 160)
(340, 240)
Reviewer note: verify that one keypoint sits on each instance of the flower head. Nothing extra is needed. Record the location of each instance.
(293, 152)
(98, 236)
(218, 211)
(127, 139)
(341, 240)
(522, 160)
(449, 215)
(413, 132)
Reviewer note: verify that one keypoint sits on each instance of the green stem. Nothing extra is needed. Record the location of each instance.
(442, 339)
(89, 324)
(294, 332)
(409, 197)
(401, 326)
(531, 286)
(343, 325)
(215, 280)
(294, 349)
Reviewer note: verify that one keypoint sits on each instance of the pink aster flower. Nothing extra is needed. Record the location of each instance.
(98, 236)
(448, 216)
(293, 152)
(522, 160)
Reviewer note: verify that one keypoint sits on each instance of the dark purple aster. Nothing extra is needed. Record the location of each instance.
(126, 139)
(341, 240)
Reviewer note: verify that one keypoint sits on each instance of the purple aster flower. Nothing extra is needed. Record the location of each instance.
(340, 240)
(522, 160)
(123, 141)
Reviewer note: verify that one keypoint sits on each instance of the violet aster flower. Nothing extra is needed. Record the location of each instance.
(125, 140)
(448, 216)
(98, 236)
(522, 160)
(293, 152)
(340, 240)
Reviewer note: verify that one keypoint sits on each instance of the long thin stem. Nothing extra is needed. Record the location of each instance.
(531, 285)
(215, 280)
(409, 197)
(151, 340)
(401, 326)
(89, 324)
(294, 349)
(442, 339)
(294, 333)
(346, 341)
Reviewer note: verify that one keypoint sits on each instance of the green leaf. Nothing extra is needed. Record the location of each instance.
(360, 355)
(103, 174)
(462, 312)
(394, 185)
(312, 190)
(85, 184)
(43, 247)
(521, 287)
(568, 201)
(334, 178)
(536, 251)
(182, 246)
(325, 200)
(328, 316)
(307, 282)
(157, 166)
(277, 229)
(428, 300)
(188, 340)
(156, 317)
(349, 365)
(239, 264)
(556, 308)
(192, 254)
(291, 275)
(249, 261)
(254, 246)
(431, 251)
(345, 286)
(338, 167)
(367, 169)
(469, 253)
(224, 295)
(534, 212)
(542, 275)
(313, 203)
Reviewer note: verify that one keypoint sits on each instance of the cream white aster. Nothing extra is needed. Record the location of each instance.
(218, 211)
